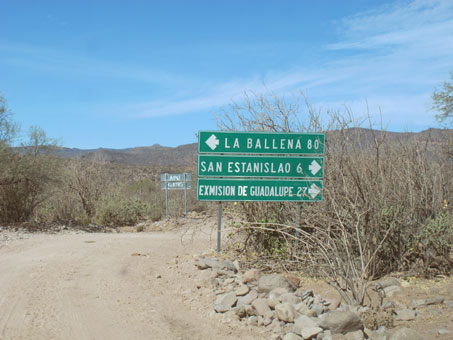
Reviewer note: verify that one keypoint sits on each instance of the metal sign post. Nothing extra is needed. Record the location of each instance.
(219, 227)
(185, 196)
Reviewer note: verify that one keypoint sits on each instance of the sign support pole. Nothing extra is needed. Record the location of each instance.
(297, 224)
(185, 195)
(166, 198)
(219, 227)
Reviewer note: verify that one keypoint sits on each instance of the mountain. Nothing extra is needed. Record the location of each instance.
(186, 155)
(147, 155)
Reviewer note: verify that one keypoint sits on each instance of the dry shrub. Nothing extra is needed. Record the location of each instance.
(382, 195)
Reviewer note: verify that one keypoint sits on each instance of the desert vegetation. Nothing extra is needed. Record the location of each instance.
(39, 189)
(387, 203)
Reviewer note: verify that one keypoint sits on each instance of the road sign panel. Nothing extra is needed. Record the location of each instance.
(260, 142)
(176, 177)
(260, 166)
(259, 190)
(175, 185)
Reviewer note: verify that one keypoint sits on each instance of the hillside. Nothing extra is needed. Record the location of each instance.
(184, 155)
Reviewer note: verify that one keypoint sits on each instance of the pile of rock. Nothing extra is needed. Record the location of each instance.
(289, 312)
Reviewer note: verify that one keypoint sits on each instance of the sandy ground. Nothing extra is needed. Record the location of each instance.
(109, 286)
(134, 286)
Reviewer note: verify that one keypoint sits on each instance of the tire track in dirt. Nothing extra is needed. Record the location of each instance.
(103, 286)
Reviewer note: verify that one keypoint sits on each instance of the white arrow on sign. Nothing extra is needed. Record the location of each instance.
(314, 167)
(212, 142)
(313, 191)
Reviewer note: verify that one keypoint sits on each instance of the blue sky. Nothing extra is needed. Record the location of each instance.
(119, 74)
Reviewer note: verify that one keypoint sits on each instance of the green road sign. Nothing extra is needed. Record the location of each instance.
(259, 190)
(260, 142)
(260, 166)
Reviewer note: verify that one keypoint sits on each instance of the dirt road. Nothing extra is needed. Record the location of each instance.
(107, 286)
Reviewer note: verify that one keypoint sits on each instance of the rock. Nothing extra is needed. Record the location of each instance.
(326, 335)
(228, 281)
(357, 335)
(261, 306)
(310, 313)
(306, 294)
(405, 315)
(225, 302)
(236, 265)
(210, 262)
(311, 332)
(333, 303)
(275, 337)
(289, 297)
(239, 311)
(426, 302)
(301, 307)
(252, 321)
(248, 298)
(338, 337)
(391, 290)
(275, 326)
(251, 275)
(201, 265)
(268, 282)
(442, 331)
(318, 309)
(303, 322)
(293, 280)
(292, 336)
(250, 311)
(228, 265)
(267, 321)
(277, 292)
(242, 290)
(273, 302)
(285, 312)
(340, 322)
(406, 334)
(438, 300)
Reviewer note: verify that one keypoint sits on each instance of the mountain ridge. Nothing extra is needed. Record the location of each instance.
(186, 154)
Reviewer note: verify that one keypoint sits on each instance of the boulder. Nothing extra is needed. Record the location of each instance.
(285, 312)
(310, 332)
(228, 265)
(289, 297)
(293, 280)
(225, 302)
(251, 275)
(242, 290)
(303, 322)
(340, 322)
(277, 292)
(273, 302)
(271, 281)
(248, 298)
(210, 262)
(261, 306)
